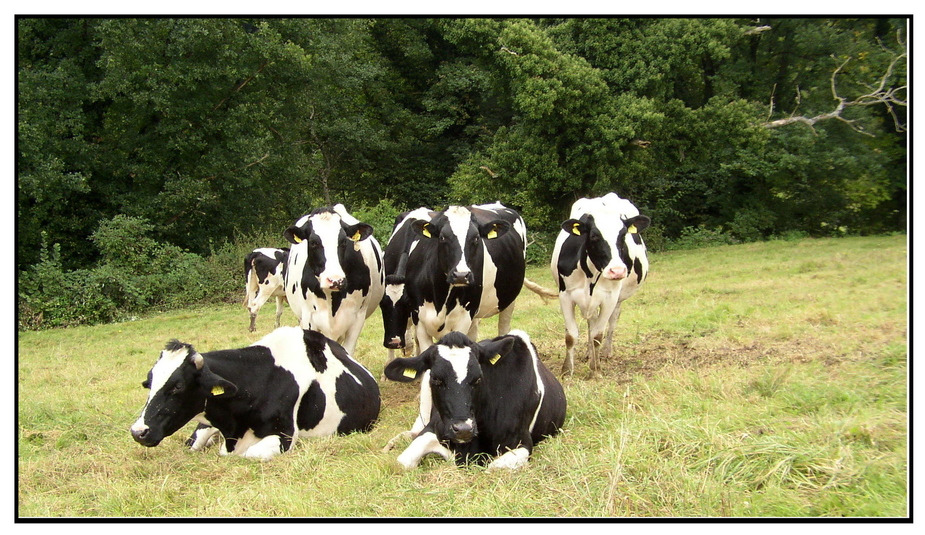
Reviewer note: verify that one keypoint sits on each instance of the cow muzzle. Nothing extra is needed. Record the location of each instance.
(335, 284)
(394, 343)
(145, 437)
(463, 431)
(460, 278)
(615, 273)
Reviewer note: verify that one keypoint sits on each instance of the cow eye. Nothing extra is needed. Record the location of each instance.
(476, 381)
(434, 381)
(177, 388)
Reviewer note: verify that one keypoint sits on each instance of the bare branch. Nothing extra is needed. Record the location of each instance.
(881, 94)
(757, 31)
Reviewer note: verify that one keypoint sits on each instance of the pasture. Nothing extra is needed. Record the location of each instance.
(758, 380)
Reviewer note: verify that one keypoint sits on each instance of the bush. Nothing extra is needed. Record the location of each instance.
(701, 236)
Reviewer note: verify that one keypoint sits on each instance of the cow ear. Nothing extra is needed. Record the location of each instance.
(293, 234)
(216, 385)
(424, 228)
(405, 370)
(574, 226)
(358, 232)
(637, 224)
(494, 229)
(493, 350)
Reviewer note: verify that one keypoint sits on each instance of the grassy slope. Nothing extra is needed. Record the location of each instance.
(755, 380)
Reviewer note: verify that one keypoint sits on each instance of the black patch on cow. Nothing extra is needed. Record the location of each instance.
(311, 410)
(315, 344)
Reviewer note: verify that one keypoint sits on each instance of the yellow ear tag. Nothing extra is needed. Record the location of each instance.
(410, 373)
(425, 231)
(218, 390)
(296, 238)
(492, 234)
(632, 229)
(356, 237)
(494, 359)
(575, 230)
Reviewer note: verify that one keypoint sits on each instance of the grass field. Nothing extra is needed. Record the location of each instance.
(758, 380)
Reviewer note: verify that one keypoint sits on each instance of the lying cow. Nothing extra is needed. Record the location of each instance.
(291, 383)
(264, 276)
(493, 400)
(599, 260)
(334, 278)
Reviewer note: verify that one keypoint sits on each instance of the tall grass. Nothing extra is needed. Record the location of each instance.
(758, 380)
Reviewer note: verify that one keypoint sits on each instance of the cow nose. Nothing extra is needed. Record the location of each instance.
(616, 273)
(394, 343)
(461, 278)
(335, 283)
(462, 431)
(140, 435)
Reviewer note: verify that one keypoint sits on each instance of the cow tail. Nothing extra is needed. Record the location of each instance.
(544, 293)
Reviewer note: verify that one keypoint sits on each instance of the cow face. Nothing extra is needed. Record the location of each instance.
(396, 310)
(610, 245)
(179, 383)
(460, 250)
(326, 239)
(455, 364)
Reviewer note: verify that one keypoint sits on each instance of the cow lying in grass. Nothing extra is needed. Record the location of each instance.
(491, 401)
(260, 398)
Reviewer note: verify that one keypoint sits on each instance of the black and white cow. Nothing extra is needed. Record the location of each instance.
(493, 400)
(448, 269)
(292, 383)
(599, 260)
(264, 276)
(334, 279)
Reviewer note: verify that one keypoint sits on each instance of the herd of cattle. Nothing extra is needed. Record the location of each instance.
(440, 273)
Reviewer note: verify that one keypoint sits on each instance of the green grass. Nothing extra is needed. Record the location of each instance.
(759, 380)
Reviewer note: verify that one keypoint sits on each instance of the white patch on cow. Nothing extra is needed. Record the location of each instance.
(489, 303)
(302, 220)
(160, 373)
(327, 227)
(395, 292)
(535, 359)
(258, 292)
(460, 219)
(251, 447)
(430, 319)
(458, 357)
(511, 460)
(424, 444)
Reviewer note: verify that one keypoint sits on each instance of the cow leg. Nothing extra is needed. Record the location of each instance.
(263, 449)
(410, 340)
(596, 329)
(279, 310)
(571, 333)
(203, 437)
(253, 326)
(425, 405)
(504, 320)
(511, 460)
(607, 349)
(473, 331)
(423, 445)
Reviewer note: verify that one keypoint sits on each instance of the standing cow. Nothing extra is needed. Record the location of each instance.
(334, 279)
(491, 400)
(599, 260)
(264, 276)
(291, 383)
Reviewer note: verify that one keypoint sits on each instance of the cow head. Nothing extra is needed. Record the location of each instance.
(459, 238)
(455, 364)
(327, 239)
(180, 383)
(396, 311)
(611, 244)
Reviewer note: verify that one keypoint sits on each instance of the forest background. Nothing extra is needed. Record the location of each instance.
(153, 153)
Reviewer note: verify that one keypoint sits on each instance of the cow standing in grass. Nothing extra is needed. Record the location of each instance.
(264, 276)
(599, 260)
(334, 278)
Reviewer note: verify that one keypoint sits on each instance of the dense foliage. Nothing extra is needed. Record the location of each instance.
(185, 134)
